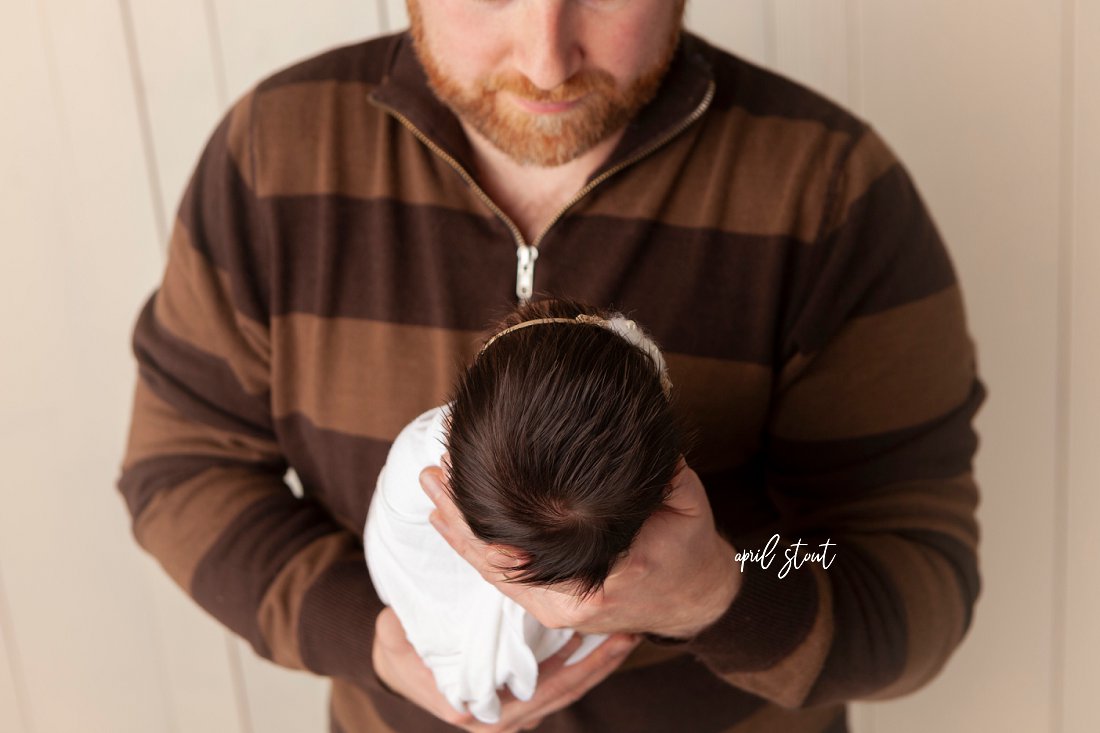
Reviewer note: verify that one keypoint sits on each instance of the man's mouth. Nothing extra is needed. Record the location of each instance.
(546, 108)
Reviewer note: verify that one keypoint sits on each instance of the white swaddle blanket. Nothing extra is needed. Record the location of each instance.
(473, 637)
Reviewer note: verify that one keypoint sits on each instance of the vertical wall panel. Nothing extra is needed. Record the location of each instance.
(11, 704)
(79, 252)
(968, 94)
(282, 700)
(811, 45)
(261, 37)
(743, 27)
(1081, 672)
(395, 13)
(203, 682)
(178, 61)
(178, 54)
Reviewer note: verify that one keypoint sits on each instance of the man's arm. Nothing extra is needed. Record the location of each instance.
(869, 446)
(203, 472)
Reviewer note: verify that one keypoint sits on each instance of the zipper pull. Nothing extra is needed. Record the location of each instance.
(525, 271)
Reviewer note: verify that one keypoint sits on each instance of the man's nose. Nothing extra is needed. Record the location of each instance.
(547, 51)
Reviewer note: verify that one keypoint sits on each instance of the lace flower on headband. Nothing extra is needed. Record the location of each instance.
(620, 325)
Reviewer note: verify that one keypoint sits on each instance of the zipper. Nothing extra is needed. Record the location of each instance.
(526, 254)
(525, 271)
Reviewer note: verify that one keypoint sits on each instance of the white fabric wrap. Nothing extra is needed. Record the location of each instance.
(473, 637)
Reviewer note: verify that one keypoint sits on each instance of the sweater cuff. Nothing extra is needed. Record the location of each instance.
(336, 627)
(767, 619)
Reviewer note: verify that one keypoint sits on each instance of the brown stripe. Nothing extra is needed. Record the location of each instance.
(363, 377)
(652, 699)
(337, 469)
(180, 525)
(193, 304)
(770, 617)
(869, 160)
(353, 710)
(772, 719)
(339, 258)
(346, 121)
(647, 654)
(145, 479)
(789, 681)
(347, 369)
(612, 705)
(202, 387)
(160, 430)
(338, 614)
(869, 647)
(279, 613)
(262, 540)
(835, 470)
(239, 135)
(385, 260)
(945, 506)
(766, 93)
(934, 610)
(777, 188)
(218, 210)
(341, 469)
(397, 165)
(883, 372)
(360, 712)
(724, 402)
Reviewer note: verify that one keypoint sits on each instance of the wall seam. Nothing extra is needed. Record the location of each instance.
(152, 173)
(1066, 238)
(383, 15)
(7, 633)
(854, 32)
(236, 673)
(771, 36)
(217, 54)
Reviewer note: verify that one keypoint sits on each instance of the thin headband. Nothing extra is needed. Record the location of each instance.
(620, 325)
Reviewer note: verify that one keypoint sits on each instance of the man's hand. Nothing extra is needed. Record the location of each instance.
(678, 578)
(400, 668)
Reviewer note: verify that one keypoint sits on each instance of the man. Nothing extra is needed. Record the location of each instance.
(357, 219)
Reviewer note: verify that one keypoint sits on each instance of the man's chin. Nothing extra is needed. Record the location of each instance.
(538, 141)
(540, 151)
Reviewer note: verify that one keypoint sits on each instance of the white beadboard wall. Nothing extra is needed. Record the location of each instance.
(994, 105)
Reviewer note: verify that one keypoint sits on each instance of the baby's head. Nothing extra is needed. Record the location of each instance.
(562, 443)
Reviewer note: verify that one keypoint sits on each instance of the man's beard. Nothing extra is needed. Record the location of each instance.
(543, 139)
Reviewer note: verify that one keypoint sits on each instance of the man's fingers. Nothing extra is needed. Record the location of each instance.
(560, 686)
(490, 562)
(446, 518)
(571, 682)
(557, 660)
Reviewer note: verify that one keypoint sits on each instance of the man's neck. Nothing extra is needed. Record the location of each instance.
(531, 195)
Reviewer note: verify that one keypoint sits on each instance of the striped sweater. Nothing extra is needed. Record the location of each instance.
(333, 264)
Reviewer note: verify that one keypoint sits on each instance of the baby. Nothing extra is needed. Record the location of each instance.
(561, 443)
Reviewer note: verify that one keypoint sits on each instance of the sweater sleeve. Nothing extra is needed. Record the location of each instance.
(203, 473)
(869, 446)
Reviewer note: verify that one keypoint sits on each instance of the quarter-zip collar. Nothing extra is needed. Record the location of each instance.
(404, 89)
(684, 96)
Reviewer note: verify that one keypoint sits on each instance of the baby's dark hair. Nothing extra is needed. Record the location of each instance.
(561, 444)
